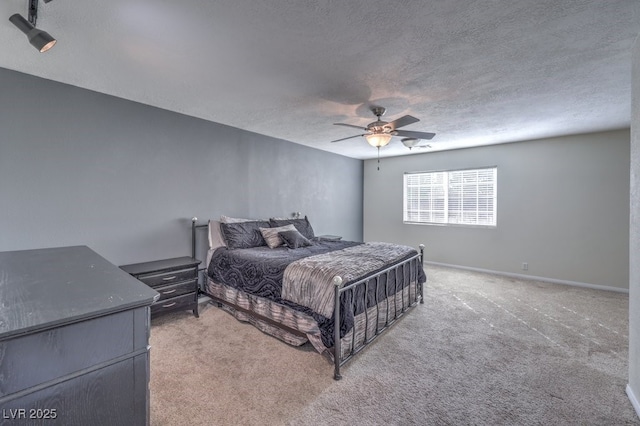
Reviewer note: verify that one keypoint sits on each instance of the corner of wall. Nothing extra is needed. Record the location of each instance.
(633, 387)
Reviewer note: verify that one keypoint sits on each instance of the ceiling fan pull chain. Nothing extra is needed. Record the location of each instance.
(378, 158)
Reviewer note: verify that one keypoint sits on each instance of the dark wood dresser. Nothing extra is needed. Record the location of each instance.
(175, 279)
(74, 340)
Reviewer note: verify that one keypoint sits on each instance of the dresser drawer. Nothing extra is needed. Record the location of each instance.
(31, 361)
(166, 278)
(186, 301)
(167, 292)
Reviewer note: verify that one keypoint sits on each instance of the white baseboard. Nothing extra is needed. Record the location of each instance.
(634, 400)
(532, 277)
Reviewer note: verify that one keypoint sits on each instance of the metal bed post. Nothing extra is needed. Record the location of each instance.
(422, 265)
(337, 352)
(201, 269)
(194, 221)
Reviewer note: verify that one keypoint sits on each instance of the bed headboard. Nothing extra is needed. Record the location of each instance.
(197, 228)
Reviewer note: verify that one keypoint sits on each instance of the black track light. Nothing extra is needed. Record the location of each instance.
(39, 39)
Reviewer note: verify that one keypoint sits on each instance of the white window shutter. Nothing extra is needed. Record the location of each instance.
(466, 197)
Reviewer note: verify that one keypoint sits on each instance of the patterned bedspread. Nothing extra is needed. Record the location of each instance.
(259, 270)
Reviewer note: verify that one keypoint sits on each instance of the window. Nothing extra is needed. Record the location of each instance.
(461, 197)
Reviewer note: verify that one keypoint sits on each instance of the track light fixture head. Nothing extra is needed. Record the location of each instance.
(39, 39)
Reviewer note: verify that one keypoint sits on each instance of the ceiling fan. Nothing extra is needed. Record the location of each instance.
(379, 133)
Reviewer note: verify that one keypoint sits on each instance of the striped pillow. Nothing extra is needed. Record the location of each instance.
(271, 236)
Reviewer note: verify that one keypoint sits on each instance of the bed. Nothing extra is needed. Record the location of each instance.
(277, 275)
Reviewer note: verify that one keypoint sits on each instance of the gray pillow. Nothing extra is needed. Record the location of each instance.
(293, 239)
(302, 225)
(243, 234)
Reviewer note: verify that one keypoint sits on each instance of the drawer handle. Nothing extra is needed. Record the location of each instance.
(168, 278)
(169, 305)
(169, 291)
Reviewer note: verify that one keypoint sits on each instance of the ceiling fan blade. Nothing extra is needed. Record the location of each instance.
(417, 135)
(350, 137)
(403, 121)
(349, 125)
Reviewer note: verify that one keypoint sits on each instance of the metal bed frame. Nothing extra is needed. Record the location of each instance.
(339, 289)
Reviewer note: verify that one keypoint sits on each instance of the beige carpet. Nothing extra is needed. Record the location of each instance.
(482, 350)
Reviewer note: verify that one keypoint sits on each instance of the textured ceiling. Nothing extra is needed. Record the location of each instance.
(474, 72)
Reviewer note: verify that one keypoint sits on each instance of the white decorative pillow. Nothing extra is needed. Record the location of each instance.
(215, 236)
(227, 219)
(271, 236)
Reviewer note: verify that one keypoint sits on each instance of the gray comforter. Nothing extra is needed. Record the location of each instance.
(309, 281)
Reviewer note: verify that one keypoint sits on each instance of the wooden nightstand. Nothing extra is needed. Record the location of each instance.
(175, 279)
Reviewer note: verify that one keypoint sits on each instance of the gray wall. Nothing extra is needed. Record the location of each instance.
(563, 207)
(82, 168)
(633, 389)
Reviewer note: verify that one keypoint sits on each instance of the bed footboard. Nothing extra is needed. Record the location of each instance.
(386, 312)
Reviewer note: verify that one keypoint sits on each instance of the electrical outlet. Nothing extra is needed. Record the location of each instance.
(525, 266)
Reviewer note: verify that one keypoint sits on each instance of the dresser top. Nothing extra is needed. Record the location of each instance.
(47, 288)
(160, 265)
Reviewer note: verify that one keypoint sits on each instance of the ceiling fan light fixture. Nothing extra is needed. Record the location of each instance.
(378, 140)
(410, 142)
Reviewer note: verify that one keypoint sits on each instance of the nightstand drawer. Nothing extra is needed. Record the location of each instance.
(166, 278)
(173, 303)
(176, 290)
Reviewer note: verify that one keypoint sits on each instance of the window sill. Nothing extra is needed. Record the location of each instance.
(453, 225)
